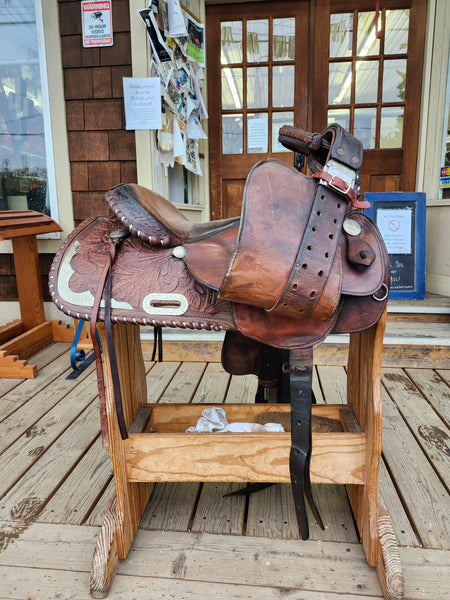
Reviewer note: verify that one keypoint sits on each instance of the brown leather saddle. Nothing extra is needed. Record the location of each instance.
(301, 262)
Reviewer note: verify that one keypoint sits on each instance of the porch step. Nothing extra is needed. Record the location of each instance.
(433, 309)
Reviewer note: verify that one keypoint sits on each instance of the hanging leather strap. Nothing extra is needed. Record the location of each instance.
(104, 289)
(300, 371)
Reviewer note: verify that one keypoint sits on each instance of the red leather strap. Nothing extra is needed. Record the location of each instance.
(342, 187)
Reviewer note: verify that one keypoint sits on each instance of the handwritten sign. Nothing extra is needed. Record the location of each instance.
(142, 98)
(96, 19)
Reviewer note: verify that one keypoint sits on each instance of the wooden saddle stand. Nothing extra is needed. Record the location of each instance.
(301, 262)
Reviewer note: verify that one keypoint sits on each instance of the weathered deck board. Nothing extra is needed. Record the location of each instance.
(29, 388)
(159, 378)
(420, 488)
(429, 430)
(435, 389)
(69, 481)
(213, 386)
(216, 514)
(171, 506)
(242, 389)
(333, 381)
(184, 383)
(31, 493)
(51, 562)
(271, 513)
(34, 441)
(402, 526)
(26, 417)
(74, 499)
(97, 514)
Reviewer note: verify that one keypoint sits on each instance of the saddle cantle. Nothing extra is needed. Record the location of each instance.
(300, 263)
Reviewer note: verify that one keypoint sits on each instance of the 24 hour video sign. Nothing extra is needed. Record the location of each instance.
(96, 19)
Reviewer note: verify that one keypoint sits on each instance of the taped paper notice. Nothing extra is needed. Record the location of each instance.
(142, 98)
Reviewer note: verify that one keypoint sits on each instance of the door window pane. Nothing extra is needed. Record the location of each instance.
(368, 43)
(341, 116)
(365, 123)
(283, 84)
(284, 39)
(366, 81)
(341, 35)
(232, 88)
(231, 42)
(391, 134)
(397, 27)
(394, 79)
(257, 133)
(257, 87)
(339, 83)
(278, 120)
(232, 134)
(23, 149)
(258, 41)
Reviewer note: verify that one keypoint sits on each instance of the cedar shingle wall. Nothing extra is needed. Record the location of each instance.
(102, 153)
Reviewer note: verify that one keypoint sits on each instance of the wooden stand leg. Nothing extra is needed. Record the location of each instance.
(371, 515)
(389, 566)
(122, 520)
(106, 555)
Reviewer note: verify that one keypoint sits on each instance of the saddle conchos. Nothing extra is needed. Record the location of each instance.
(301, 262)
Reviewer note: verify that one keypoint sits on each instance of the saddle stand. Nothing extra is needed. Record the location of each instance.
(158, 450)
(301, 262)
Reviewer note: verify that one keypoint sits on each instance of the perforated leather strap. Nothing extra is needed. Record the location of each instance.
(300, 371)
(303, 292)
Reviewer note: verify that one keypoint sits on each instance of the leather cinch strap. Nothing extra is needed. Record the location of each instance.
(300, 372)
(104, 288)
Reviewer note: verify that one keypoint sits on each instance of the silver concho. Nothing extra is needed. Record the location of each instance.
(179, 252)
(351, 227)
(165, 304)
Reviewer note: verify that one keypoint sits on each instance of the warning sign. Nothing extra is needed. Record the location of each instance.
(96, 19)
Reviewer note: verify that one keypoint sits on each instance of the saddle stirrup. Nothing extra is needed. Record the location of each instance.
(300, 371)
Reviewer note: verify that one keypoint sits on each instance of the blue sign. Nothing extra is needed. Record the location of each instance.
(401, 219)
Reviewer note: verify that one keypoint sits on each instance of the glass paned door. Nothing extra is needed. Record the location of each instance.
(367, 74)
(24, 166)
(257, 61)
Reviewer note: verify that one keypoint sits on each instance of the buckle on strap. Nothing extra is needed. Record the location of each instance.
(333, 176)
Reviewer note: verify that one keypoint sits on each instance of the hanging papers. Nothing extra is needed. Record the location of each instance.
(178, 59)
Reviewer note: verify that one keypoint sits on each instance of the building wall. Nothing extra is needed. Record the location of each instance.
(101, 152)
(436, 68)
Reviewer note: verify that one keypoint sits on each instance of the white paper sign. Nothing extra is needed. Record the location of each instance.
(395, 227)
(96, 19)
(257, 133)
(142, 98)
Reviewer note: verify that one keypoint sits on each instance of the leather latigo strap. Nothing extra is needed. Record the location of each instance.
(104, 290)
(300, 372)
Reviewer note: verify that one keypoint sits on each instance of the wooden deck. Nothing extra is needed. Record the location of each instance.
(56, 482)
